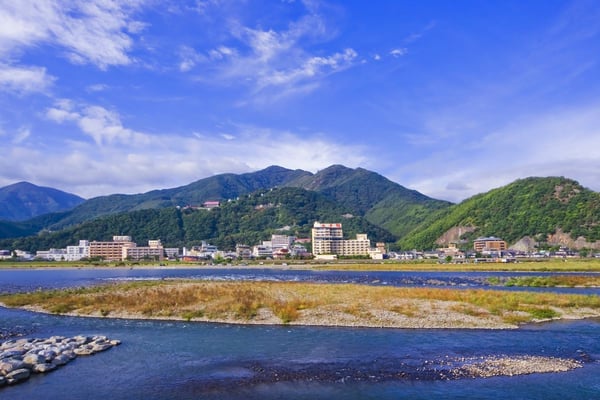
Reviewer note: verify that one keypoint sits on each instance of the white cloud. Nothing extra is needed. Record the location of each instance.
(157, 160)
(95, 31)
(102, 125)
(398, 52)
(561, 142)
(24, 79)
(98, 87)
(21, 135)
(272, 63)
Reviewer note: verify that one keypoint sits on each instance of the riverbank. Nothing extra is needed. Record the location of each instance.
(553, 265)
(296, 303)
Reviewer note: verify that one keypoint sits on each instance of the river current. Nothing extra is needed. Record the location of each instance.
(183, 360)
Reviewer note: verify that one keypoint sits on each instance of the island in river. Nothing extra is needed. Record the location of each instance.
(301, 303)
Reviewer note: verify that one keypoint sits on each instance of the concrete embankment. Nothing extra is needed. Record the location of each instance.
(22, 357)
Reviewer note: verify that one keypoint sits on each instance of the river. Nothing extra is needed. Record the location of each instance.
(182, 360)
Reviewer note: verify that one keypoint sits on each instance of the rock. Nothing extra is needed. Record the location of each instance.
(19, 358)
(10, 365)
(62, 359)
(45, 367)
(17, 375)
(33, 359)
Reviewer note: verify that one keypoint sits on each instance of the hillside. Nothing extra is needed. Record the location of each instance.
(249, 220)
(24, 200)
(382, 202)
(553, 211)
(361, 192)
(218, 187)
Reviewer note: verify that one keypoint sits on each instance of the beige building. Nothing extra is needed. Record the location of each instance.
(123, 248)
(154, 251)
(328, 238)
(111, 251)
(484, 244)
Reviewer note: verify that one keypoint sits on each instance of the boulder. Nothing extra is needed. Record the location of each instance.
(62, 359)
(45, 367)
(33, 359)
(17, 375)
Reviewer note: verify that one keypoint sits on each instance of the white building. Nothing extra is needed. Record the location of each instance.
(76, 253)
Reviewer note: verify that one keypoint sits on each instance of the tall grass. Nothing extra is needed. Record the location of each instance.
(244, 301)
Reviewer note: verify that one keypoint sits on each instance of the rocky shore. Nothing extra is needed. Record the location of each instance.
(19, 358)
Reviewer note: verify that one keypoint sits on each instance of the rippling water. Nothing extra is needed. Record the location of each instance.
(182, 360)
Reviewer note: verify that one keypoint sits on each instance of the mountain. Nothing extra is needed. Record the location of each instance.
(381, 201)
(218, 187)
(24, 200)
(363, 193)
(249, 220)
(552, 211)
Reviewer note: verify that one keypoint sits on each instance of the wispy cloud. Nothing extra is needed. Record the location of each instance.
(398, 52)
(102, 125)
(97, 32)
(270, 62)
(23, 80)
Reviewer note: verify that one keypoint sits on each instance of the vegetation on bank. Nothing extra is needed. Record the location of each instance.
(574, 265)
(547, 281)
(293, 302)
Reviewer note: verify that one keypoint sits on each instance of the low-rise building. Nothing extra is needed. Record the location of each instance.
(489, 244)
(154, 251)
(111, 251)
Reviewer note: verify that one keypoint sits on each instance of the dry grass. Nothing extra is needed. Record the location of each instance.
(309, 303)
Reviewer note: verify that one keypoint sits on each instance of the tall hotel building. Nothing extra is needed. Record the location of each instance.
(328, 238)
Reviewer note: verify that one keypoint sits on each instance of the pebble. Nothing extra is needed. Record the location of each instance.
(19, 358)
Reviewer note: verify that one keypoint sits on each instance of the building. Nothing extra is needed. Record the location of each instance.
(76, 253)
(282, 242)
(111, 251)
(154, 251)
(489, 244)
(51, 255)
(328, 238)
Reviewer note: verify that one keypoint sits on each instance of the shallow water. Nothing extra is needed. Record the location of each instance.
(182, 360)
(15, 280)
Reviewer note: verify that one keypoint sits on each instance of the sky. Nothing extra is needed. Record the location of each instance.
(450, 98)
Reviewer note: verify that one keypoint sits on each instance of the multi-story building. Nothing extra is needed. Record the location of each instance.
(111, 251)
(328, 238)
(282, 242)
(489, 244)
(154, 251)
(76, 253)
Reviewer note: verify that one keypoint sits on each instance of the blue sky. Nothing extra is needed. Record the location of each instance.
(450, 98)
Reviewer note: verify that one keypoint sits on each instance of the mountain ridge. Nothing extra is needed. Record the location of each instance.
(24, 200)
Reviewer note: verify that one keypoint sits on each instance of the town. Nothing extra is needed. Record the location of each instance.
(327, 242)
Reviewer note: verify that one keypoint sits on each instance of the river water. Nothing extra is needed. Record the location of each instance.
(182, 360)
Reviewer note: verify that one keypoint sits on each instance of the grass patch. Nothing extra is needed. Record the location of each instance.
(243, 301)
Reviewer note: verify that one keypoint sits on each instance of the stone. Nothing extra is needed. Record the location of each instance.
(45, 367)
(62, 359)
(33, 359)
(10, 365)
(17, 375)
